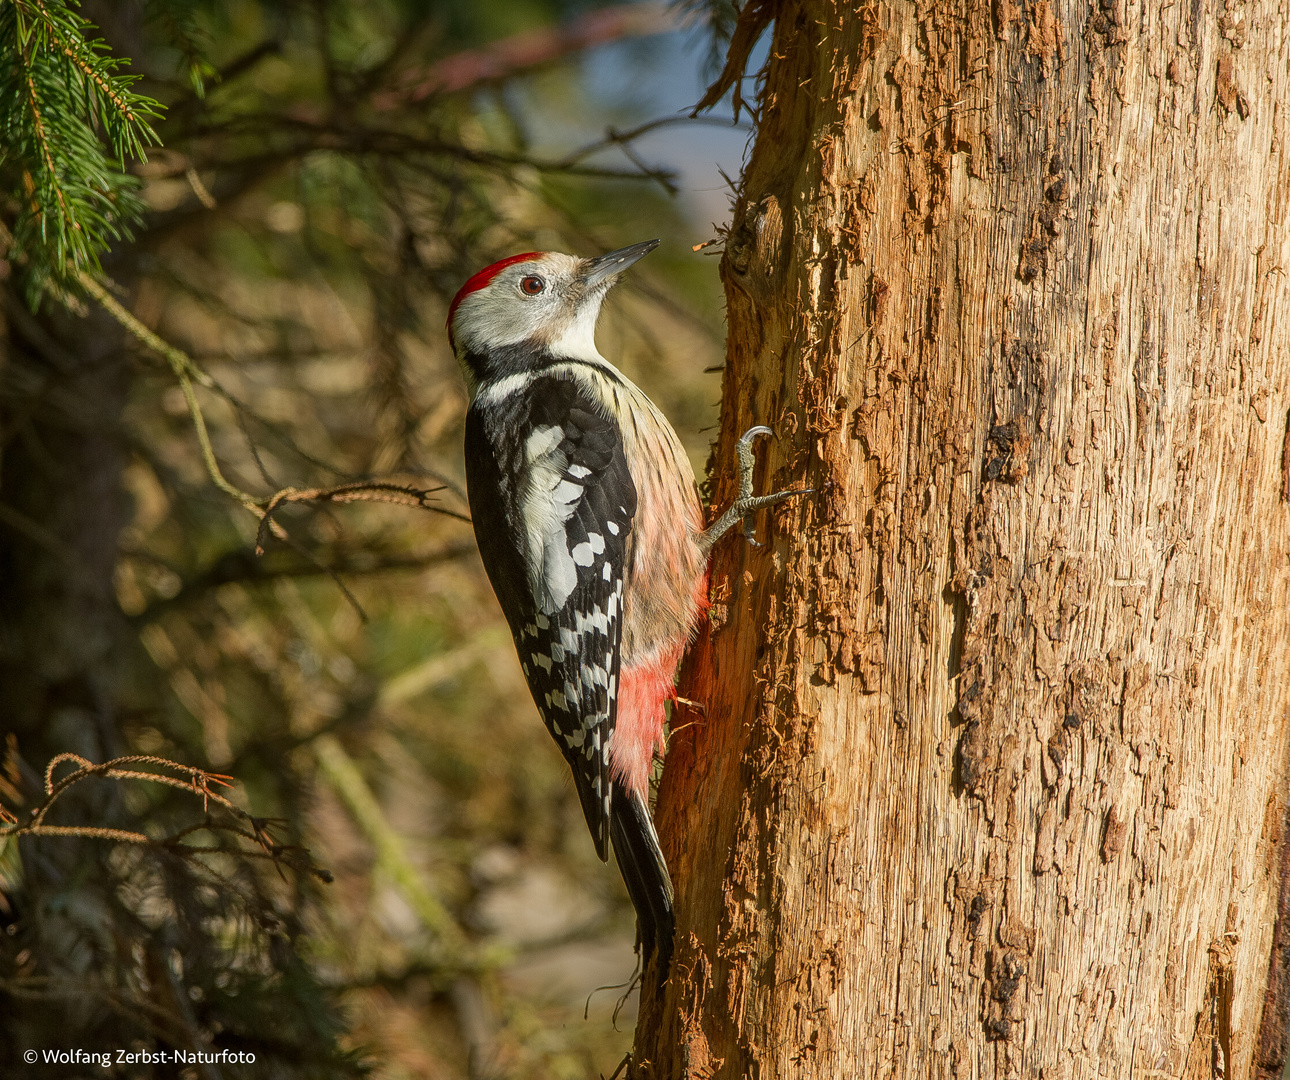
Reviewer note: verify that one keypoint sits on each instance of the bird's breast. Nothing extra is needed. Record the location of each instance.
(667, 573)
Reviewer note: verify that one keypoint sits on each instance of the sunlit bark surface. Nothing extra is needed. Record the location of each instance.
(990, 780)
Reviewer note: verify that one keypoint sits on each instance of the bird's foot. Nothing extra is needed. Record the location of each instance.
(746, 503)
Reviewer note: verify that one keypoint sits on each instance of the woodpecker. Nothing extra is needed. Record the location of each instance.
(591, 530)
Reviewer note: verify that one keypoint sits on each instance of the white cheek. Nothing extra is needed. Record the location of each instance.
(492, 318)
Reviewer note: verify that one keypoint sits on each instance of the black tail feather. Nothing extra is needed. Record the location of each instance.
(640, 860)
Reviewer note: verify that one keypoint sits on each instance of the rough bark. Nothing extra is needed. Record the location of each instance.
(991, 779)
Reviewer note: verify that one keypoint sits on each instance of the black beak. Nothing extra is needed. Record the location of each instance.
(597, 271)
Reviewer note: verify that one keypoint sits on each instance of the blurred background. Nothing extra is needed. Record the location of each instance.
(329, 175)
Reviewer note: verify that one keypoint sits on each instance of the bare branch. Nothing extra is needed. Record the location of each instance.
(363, 491)
(186, 372)
(524, 51)
(614, 137)
(193, 779)
(242, 566)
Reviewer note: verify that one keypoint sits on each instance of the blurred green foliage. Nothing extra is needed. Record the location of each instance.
(321, 190)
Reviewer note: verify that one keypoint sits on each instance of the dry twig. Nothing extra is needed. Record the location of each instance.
(361, 491)
(184, 777)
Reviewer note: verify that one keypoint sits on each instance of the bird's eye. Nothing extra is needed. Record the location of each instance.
(532, 285)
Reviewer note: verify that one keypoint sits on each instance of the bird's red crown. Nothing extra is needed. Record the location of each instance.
(481, 280)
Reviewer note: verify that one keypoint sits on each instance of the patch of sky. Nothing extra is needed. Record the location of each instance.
(627, 83)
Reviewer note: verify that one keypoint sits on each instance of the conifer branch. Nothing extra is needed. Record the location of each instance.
(57, 86)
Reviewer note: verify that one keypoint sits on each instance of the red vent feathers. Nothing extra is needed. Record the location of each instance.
(481, 279)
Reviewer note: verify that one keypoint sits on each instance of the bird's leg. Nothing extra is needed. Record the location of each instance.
(746, 503)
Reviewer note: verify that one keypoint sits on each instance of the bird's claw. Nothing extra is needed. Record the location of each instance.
(747, 465)
(746, 503)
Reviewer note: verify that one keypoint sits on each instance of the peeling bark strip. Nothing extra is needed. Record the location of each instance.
(996, 725)
(1274, 1031)
(1285, 463)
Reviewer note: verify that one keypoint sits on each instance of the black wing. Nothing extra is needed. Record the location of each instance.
(552, 509)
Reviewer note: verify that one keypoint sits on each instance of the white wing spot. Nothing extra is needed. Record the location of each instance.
(560, 578)
(612, 527)
(567, 492)
(548, 502)
(597, 543)
(582, 553)
(542, 442)
(607, 572)
(579, 471)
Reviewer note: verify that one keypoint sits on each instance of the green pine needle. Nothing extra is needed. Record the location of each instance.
(62, 98)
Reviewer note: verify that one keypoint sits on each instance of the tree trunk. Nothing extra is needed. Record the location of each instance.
(991, 779)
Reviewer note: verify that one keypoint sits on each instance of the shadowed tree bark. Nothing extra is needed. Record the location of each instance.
(991, 779)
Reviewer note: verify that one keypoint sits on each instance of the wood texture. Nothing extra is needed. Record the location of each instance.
(991, 775)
